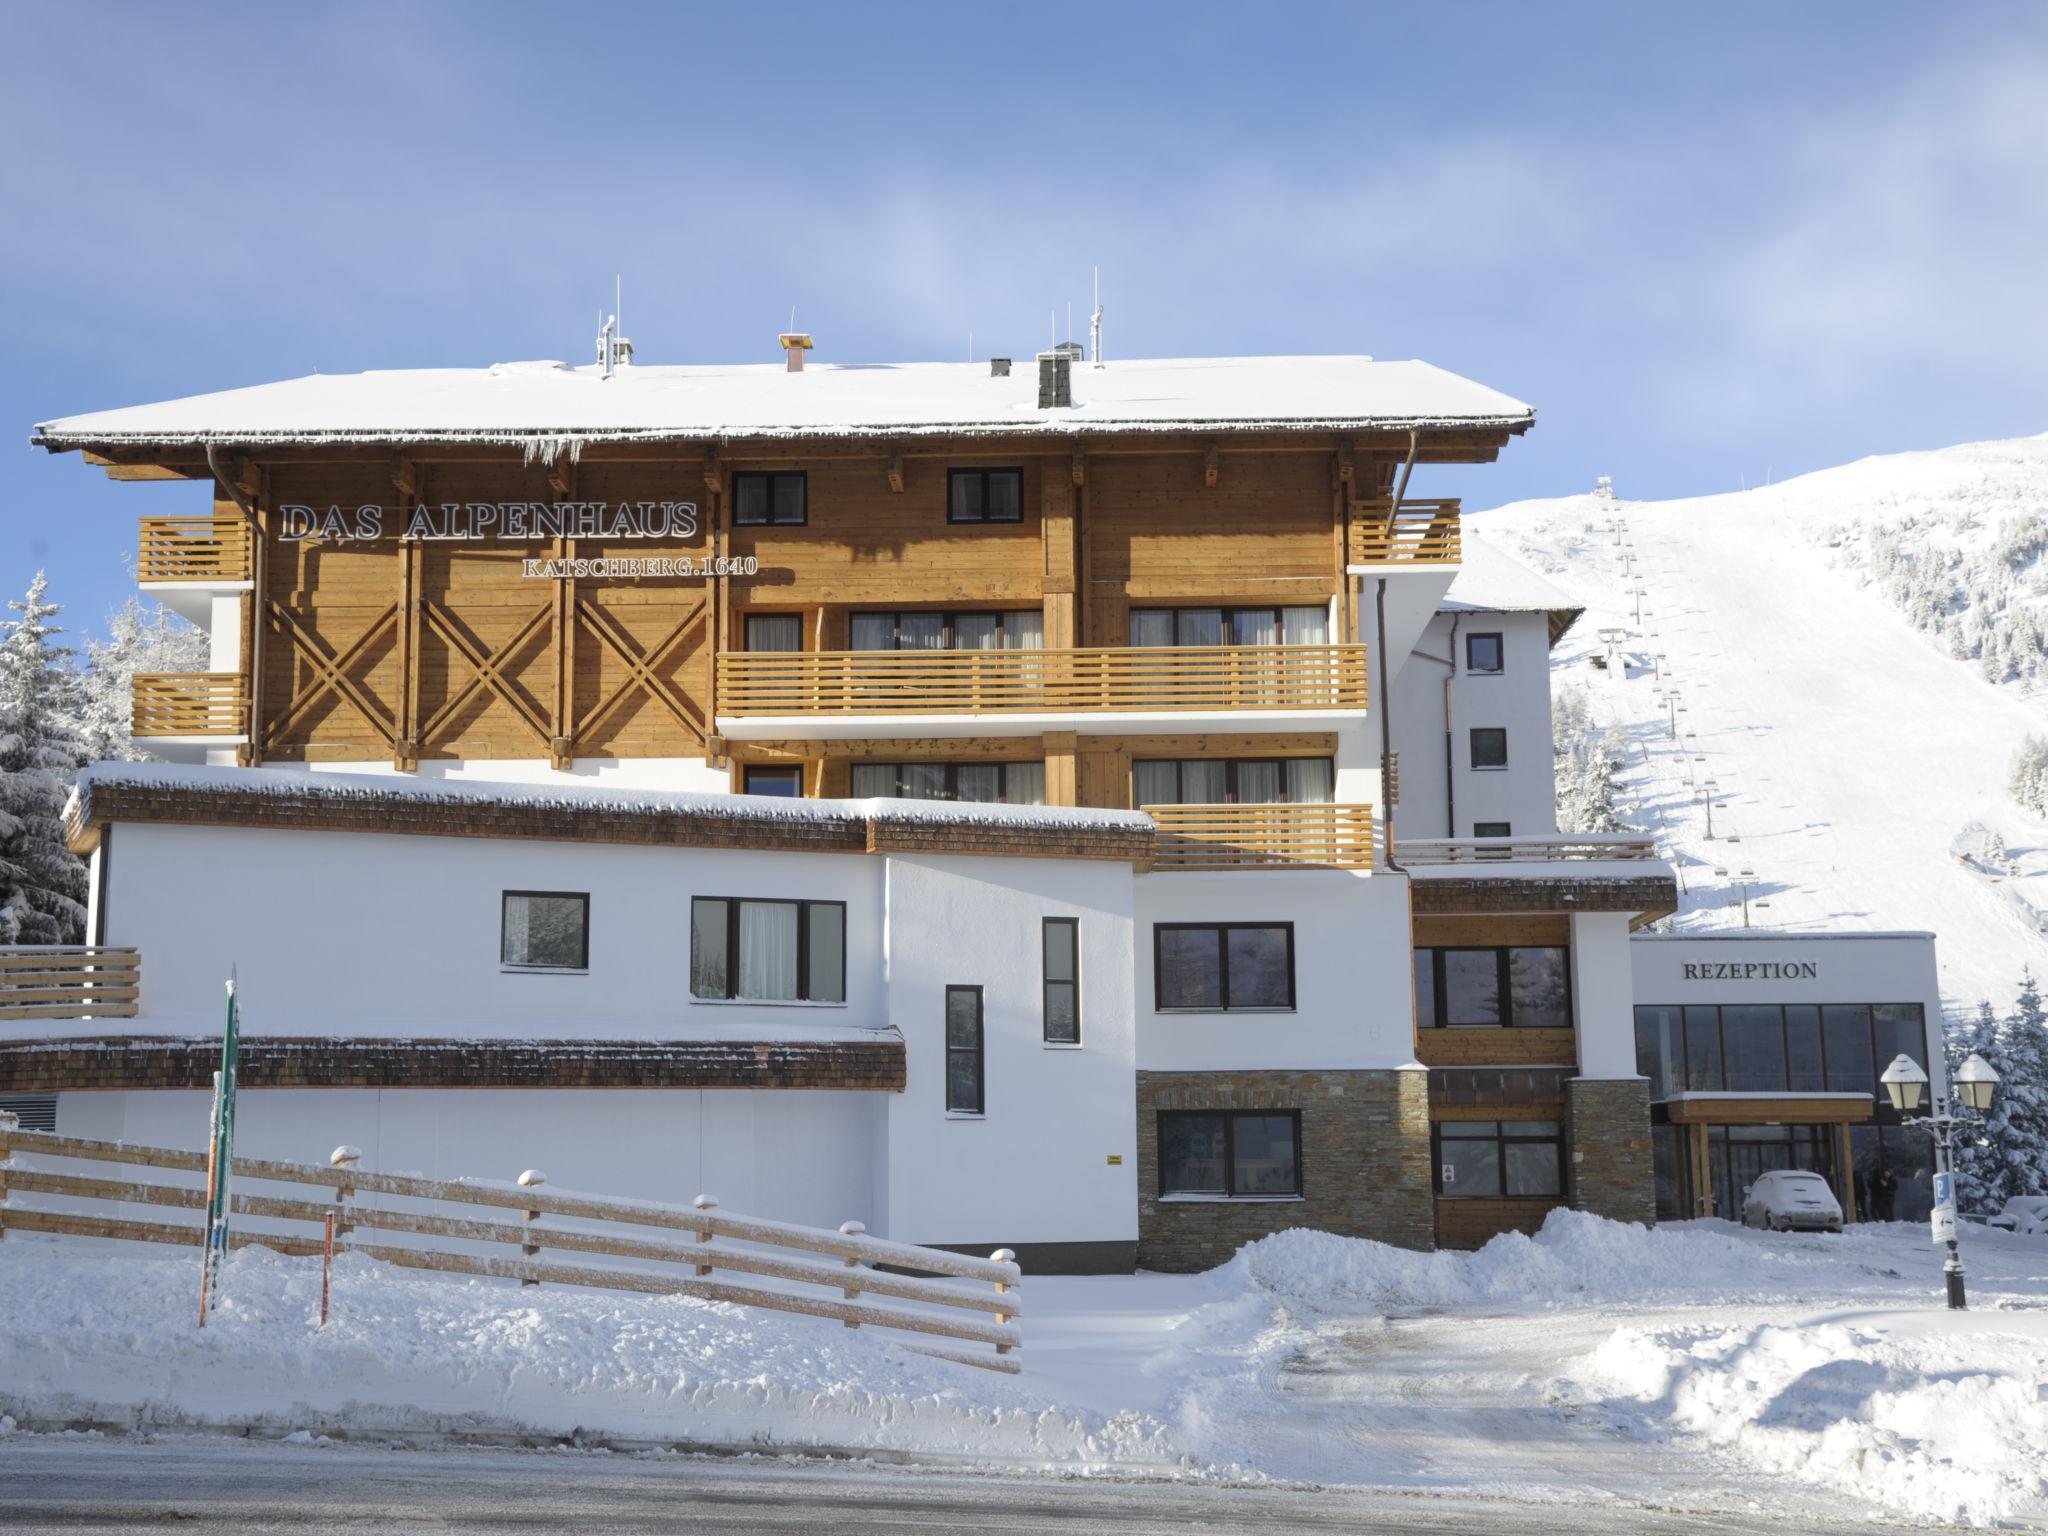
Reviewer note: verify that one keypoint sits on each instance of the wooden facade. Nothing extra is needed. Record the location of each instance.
(404, 652)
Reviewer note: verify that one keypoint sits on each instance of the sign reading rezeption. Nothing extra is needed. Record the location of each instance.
(508, 521)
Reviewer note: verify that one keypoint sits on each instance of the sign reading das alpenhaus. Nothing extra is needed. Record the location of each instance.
(464, 520)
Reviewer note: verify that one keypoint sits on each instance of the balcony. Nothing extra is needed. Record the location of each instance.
(65, 981)
(203, 706)
(193, 551)
(1212, 837)
(1011, 691)
(1414, 533)
(1435, 851)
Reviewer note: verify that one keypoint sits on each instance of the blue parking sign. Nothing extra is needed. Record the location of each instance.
(1944, 1189)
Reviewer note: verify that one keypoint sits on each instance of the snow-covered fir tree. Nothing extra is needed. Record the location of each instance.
(2009, 1156)
(1587, 761)
(42, 885)
(140, 638)
(2028, 784)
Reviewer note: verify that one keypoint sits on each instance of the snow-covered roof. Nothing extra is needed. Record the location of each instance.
(549, 405)
(1490, 580)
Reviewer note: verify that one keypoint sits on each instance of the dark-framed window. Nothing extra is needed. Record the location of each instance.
(1060, 942)
(964, 1073)
(972, 783)
(544, 930)
(1492, 829)
(775, 779)
(1485, 653)
(1499, 1159)
(767, 950)
(1302, 624)
(1775, 1048)
(1242, 1154)
(764, 498)
(1218, 967)
(984, 495)
(1234, 781)
(1489, 746)
(777, 633)
(1012, 629)
(1519, 986)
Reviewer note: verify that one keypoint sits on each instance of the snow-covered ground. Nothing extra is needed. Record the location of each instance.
(1696, 1366)
(1855, 758)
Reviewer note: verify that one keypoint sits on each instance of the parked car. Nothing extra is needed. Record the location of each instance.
(1787, 1199)
(2024, 1214)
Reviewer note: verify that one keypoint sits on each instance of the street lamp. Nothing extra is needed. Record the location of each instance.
(1905, 1081)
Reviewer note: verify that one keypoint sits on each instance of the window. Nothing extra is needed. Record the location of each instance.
(985, 496)
(1489, 746)
(1062, 946)
(1766, 1048)
(762, 499)
(975, 783)
(1499, 1159)
(1244, 1156)
(1223, 965)
(963, 1051)
(1492, 829)
(767, 951)
(544, 931)
(1234, 781)
(1231, 626)
(1021, 629)
(1483, 653)
(1519, 986)
(761, 780)
(775, 632)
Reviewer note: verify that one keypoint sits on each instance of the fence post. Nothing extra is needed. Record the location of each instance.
(345, 1158)
(852, 1229)
(9, 1123)
(1003, 1256)
(531, 1179)
(707, 1204)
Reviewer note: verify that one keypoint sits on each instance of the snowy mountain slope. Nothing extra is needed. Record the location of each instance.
(1855, 760)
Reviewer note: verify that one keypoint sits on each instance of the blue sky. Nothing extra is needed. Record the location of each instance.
(1709, 245)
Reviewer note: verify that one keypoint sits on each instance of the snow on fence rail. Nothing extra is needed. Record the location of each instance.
(707, 1241)
(1524, 850)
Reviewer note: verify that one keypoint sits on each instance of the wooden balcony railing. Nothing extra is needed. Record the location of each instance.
(1526, 850)
(1279, 677)
(190, 704)
(1316, 836)
(1416, 532)
(68, 981)
(193, 549)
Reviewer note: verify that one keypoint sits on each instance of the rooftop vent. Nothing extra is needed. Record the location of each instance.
(1055, 379)
(999, 367)
(794, 345)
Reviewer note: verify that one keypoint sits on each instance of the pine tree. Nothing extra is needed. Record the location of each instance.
(42, 885)
(2009, 1155)
(139, 639)
(1586, 764)
(2028, 784)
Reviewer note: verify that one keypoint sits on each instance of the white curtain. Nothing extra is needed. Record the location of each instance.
(874, 631)
(1024, 784)
(767, 950)
(1311, 780)
(1024, 630)
(981, 783)
(1305, 626)
(1201, 626)
(921, 632)
(874, 781)
(1259, 783)
(974, 631)
(1254, 626)
(1155, 783)
(1151, 626)
(775, 632)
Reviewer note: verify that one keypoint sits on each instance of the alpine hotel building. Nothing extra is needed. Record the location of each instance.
(1090, 809)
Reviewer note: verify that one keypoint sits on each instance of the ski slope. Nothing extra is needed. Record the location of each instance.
(1855, 761)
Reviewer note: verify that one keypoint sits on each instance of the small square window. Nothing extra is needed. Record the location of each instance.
(1484, 653)
(765, 498)
(985, 496)
(786, 782)
(545, 931)
(1489, 746)
(1491, 829)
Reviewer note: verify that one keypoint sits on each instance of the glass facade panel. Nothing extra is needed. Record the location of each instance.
(1533, 1169)
(827, 924)
(1468, 1159)
(1753, 1048)
(708, 921)
(1703, 1050)
(1539, 989)
(1260, 976)
(1802, 1048)
(1192, 1155)
(1190, 968)
(1845, 1028)
(1898, 1030)
(1660, 1050)
(1425, 988)
(1472, 986)
(1263, 1148)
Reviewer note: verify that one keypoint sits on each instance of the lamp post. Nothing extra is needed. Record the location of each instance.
(1905, 1080)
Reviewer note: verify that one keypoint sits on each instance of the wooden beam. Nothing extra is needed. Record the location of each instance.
(896, 470)
(405, 478)
(713, 475)
(1077, 467)
(1209, 463)
(562, 475)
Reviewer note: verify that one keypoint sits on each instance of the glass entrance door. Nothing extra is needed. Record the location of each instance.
(1737, 1154)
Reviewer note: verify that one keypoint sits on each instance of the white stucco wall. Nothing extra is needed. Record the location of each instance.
(1849, 968)
(1035, 1166)
(378, 934)
(1354, 1006)
(1517, 699)
(1603, 1003)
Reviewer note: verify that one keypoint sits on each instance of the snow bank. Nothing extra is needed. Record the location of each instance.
(1949, 1427)
(108, 1337)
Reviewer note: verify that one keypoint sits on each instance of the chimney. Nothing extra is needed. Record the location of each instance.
(999, 367)
(1055, 379)
(794, 345)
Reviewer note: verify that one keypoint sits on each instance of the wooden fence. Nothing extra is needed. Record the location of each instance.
(1414, 533)
(209, 550)
(1316, 835)
(1532, 850)
(68, 981)
(189, 704)
(693, 1242)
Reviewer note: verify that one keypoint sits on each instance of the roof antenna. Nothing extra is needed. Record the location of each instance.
(1095, 322)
